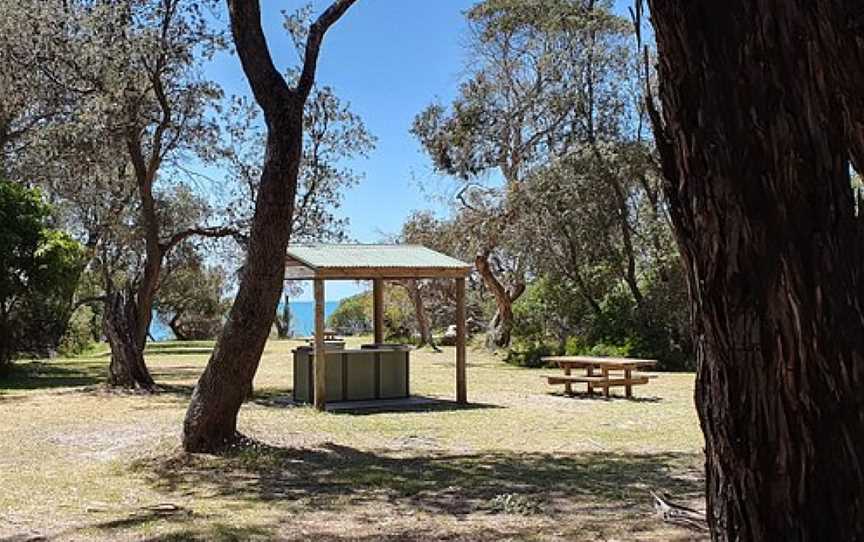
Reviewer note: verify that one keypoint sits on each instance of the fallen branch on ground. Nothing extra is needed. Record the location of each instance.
(679, 515)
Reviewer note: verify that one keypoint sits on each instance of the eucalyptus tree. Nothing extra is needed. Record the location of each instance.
(211, 419)
(760, 124)
(572, 215)
(547, 77)
(29, 97)
(133, 73)
(425, 229)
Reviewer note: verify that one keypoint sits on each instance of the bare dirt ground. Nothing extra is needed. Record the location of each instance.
(79, 462)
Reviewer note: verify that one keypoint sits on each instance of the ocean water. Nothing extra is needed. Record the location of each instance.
(303, 316)
(302, 320)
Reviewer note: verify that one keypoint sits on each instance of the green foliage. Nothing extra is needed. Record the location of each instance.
(39, 269)
(78, 337)
(551, 320)
(577, 347)
(529, 354)
(354, 314)
(191, 298)
(548, 310)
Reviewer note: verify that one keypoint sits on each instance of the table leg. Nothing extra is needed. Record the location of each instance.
(589, 371)
(568, 388)
(628, 389)
(606, 377)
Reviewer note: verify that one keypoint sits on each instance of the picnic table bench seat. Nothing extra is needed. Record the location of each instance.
(604, 380)
(598, 381)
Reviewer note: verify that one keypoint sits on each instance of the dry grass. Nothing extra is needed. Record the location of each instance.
(79, 462)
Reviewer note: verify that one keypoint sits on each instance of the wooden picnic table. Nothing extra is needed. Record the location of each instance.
(604, 365)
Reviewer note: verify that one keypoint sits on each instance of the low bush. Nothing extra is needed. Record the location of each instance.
(529, 355)
(78, 337)
(549, 317)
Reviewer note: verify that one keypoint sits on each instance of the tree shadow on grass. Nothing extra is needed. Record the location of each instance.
(282, 398)
(332, 476)
(585, 396)
(33, 375)
(175, 373)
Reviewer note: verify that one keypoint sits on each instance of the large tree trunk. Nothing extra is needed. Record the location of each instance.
(500, 327)
(127, 368)
(756, 160)
(146, 294)
(211, 420)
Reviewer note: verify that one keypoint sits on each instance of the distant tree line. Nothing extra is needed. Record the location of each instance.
(557, 196)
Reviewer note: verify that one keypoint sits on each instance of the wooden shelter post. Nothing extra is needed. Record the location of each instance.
(461, 384)
(378, 309)
(319, 372)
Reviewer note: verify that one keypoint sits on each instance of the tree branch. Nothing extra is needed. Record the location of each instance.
(313, 44)
(88, 301)
(268, 85)
(213, 233)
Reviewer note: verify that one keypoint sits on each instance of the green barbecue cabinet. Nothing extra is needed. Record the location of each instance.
(374, 371)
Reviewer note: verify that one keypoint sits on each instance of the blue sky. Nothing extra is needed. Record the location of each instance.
(389, 59)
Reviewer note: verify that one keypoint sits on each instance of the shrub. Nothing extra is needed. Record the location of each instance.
(529, 355)
(575, 346)
(657, 327)
(39, 270)
(353, 315)
(78, 337)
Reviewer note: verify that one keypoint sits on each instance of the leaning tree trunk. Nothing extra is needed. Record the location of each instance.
(211, 420)
(500, 326)
(127, 368)
(423, 327)
(177, 329)
(757, 167)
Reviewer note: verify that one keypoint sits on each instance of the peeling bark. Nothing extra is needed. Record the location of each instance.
(755, 142)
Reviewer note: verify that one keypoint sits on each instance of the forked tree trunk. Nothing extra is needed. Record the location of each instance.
(211, 420)
(757, 166)
(500, 328)
(127, 368)
(423, 327)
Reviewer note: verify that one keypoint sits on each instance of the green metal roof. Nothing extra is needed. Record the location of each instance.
(402, 260)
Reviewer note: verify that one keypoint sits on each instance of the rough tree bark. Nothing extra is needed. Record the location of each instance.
(755, 139)
(127, 368)
(211, 420)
